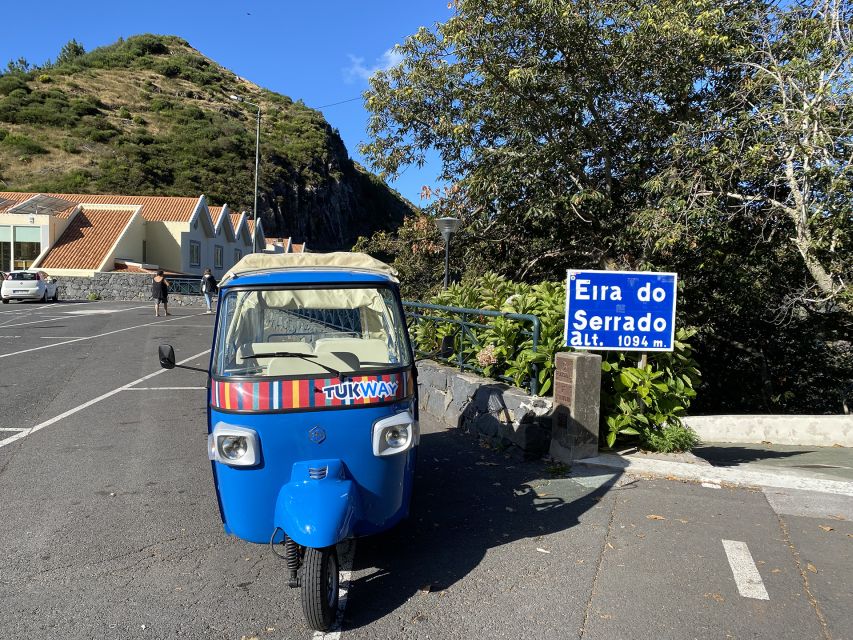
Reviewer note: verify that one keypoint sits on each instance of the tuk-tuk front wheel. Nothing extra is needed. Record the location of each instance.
(320, 587)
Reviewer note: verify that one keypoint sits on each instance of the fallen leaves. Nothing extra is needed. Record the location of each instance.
(652, 516)
(825, 527)
(811, 567)
(715, 596)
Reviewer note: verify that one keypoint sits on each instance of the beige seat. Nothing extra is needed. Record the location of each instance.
(344, 363)
(369, 350)
(262, 349)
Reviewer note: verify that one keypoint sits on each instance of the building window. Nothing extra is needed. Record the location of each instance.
(237, 255)
(27, 246)
(217, 256)
(195, 253)
(5, 248)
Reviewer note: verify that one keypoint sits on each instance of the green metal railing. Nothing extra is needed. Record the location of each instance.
(185, 286)
(460, 316)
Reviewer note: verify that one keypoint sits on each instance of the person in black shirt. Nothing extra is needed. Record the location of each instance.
(208, 288)
(160, 293)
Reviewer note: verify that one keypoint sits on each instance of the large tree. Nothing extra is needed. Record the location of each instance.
(774, 156)
(551, 116)
(712, 139)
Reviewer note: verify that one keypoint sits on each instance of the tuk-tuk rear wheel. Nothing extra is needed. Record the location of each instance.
(320, 587)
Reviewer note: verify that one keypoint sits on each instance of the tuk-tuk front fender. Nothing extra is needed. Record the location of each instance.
(319, 506)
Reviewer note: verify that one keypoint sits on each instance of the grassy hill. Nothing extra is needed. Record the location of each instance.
(151, 115)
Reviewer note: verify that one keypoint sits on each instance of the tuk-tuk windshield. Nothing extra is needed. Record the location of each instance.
(284, 332)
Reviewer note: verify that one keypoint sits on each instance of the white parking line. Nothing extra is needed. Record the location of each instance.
(747, 578)
(95, 312)
(100, 335)
(163, 388)
(11, 429)
(346, 555)
(34, 309)
(24, 433)
(68, 316)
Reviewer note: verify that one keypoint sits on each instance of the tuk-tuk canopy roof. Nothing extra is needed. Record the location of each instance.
(336, 261)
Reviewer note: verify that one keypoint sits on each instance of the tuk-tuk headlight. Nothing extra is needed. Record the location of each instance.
(396, 437)
(394, 434)
(234, 446)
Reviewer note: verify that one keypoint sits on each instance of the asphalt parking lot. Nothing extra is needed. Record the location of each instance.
(110, 526)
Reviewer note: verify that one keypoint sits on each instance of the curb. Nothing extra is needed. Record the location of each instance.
(737, 477)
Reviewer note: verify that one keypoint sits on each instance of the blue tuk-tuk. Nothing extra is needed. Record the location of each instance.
(312, 410)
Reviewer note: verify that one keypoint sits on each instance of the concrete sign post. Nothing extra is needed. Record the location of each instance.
(620, 310)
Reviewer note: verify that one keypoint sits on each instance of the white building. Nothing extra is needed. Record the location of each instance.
(81, 234)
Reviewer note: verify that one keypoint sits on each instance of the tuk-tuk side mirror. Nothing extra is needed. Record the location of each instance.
(167, 356)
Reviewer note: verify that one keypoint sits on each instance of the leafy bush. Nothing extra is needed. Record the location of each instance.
(13, 82)
(644, 403)
(93, 296)
(647, 402)
(22, 144)
(69, 146)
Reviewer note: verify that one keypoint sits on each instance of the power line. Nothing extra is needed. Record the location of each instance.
(341, 102)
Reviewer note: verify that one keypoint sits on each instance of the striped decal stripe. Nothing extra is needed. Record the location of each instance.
(308, 393)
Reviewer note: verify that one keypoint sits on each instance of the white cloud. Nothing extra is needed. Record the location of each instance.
(357, 70)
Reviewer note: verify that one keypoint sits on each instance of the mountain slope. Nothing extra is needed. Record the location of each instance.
(150, 115)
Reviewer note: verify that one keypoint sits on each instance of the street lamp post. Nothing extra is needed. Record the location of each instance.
(237, 98)
(447, 227)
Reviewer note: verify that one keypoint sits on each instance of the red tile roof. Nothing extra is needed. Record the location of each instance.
(215, 214)
(297, 248)
(88, 238)
(235, 220)
(154, 208)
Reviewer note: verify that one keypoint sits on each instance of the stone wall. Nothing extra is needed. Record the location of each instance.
(118, 286)
(495, 411)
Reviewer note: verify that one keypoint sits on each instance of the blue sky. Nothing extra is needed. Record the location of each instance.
(320, 51)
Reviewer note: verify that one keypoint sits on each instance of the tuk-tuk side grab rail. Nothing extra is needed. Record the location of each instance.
(458, 316)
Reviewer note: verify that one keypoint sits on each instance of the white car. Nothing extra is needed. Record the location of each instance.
(29, 285)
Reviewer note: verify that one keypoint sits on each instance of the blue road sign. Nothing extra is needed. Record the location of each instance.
(620, 310)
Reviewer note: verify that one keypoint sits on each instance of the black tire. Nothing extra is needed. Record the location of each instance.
(56, 295)
(44, 296)
(5, 301)
(320, 587)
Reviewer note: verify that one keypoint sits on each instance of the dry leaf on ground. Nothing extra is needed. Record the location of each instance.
(825, 527)
(811, 567)
(652, 516)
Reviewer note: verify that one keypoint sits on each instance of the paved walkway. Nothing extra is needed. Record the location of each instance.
(823, 469)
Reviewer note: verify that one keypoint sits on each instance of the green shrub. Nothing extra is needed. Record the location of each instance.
(124, 113)
(69, 145)
(641, 403)
(93, 296)
(22, 144)
(670, 438)
(648, 402)
(13, 82)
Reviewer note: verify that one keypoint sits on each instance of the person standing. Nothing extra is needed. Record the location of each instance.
(209, 287)
(160, 293)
